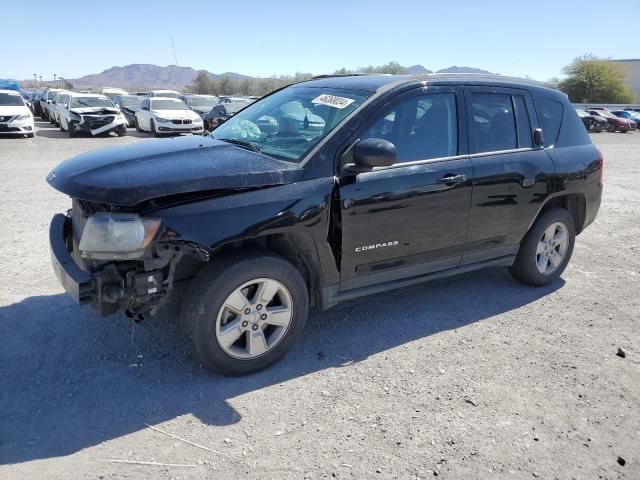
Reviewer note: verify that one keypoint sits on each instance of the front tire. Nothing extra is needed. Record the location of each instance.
(245, 312)
(546, 249)
(153, 129)
(121, 131)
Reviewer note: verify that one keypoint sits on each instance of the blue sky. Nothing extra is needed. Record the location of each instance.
(262, 38)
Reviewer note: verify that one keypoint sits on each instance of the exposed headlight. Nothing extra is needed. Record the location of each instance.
(197, 120)
(161, 120)
(117, 236)
(23, 117)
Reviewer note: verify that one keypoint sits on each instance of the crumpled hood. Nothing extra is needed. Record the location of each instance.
(95, 110)
(132, 174)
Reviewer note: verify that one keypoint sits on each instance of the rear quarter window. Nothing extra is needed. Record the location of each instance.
(549, 114)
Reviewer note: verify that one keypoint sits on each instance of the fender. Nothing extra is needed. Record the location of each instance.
(300, 212)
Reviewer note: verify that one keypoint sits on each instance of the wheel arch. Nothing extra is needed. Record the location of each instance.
(574, 203)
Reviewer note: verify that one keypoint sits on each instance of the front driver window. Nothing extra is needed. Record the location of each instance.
(420, 127)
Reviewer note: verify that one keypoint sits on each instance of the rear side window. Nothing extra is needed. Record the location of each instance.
(493, 122)
(550, 118)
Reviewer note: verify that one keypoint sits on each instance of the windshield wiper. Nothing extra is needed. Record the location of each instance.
(242, 144)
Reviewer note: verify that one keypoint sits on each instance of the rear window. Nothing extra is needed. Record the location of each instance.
(550, 118)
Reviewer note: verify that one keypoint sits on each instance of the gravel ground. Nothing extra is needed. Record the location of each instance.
(471, 377)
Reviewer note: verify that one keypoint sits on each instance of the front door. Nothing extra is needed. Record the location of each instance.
(409, 219)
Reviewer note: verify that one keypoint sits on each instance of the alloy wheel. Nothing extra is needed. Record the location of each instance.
(552, 248)
(254, 318)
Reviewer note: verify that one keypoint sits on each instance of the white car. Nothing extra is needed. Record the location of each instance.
(160, 115)
(15, 116)
(164, 93)
(45, 101)
(91, 113)
(55, 106)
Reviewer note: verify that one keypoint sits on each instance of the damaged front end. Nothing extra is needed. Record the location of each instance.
(97, 120)
(116, 260)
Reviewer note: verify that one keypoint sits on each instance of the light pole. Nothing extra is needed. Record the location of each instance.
(41, 80)
(35, 80)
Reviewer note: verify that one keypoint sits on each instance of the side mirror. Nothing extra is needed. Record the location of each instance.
(538, 138)
(373, 152)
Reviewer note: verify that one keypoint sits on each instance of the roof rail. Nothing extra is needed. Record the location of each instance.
(357, 74)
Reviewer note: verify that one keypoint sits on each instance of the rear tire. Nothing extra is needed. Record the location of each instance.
(546, 249)
(206, 316)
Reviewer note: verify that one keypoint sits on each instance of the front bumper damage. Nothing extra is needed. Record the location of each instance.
(98, 122)
(137, 287)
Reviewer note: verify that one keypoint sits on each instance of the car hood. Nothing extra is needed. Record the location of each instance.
(10, 111)
(176, 114)
(132, 174)
(95, 110)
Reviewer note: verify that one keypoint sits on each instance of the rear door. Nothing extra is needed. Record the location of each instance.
(409, 219)
(511, 177)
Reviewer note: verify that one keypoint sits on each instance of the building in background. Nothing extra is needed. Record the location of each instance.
(633, 75)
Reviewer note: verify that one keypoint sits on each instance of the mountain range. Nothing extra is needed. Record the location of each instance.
(142, 76)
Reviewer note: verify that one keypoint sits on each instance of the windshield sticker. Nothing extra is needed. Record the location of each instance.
(333, 101)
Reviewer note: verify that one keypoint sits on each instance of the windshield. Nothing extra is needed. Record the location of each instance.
(161, 93)
(289, 123)
(207, 102)
(168, 105)
(82, 102)
(11, 100)
(131, 102)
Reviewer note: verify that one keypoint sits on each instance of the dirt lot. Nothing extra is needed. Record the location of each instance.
(471, 377)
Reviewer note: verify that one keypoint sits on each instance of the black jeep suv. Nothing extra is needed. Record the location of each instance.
(324, 191)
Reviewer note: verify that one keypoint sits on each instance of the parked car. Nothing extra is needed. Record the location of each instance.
(629, 115)
(220, 113)
(228, 99)
(45, 101)
(56, 106)
(614, 123)
(15, 116)
(128, 105)
(593, 123)
(112, 92)
(256, 227)
(164, 93)
(162, 115)
(91, 113)
(201, 104)
(36, 107)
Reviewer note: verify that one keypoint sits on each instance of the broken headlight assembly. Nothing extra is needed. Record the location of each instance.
(117, 236)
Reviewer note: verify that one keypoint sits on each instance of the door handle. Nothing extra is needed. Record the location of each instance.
(451, 179)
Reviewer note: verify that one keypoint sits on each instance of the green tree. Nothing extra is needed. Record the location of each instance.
(393, 68)
(595, 80)
(245, 87)
(202, 84)
(226, 85)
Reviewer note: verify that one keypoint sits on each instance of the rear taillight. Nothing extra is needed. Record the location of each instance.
(601, 162)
